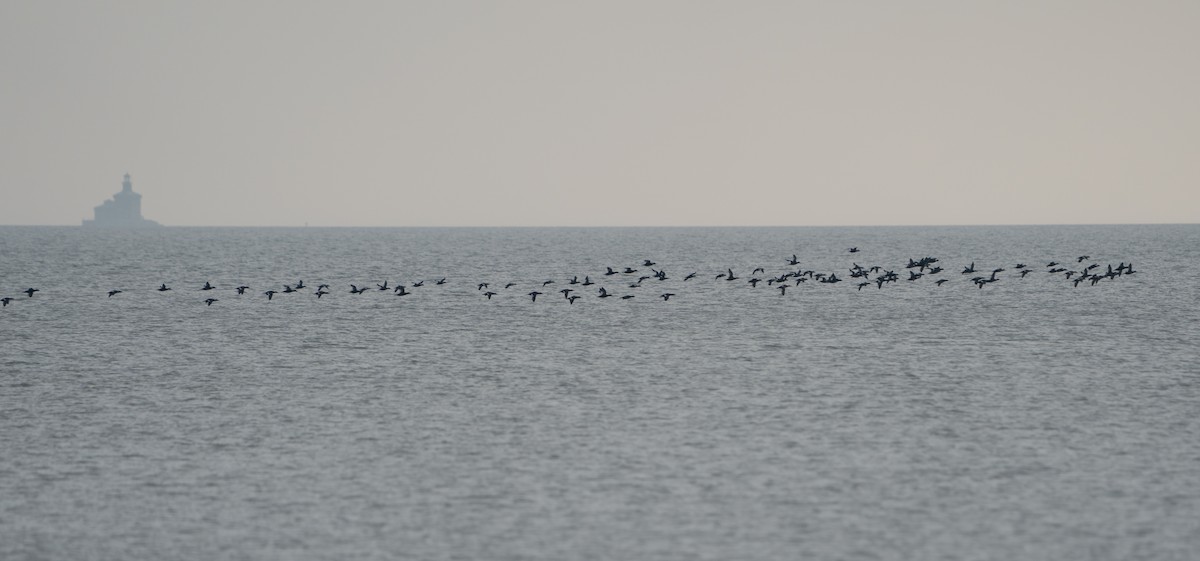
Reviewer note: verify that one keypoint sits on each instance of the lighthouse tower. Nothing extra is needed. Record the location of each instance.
(123, 210)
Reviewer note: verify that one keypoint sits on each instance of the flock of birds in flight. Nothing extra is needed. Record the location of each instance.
(793, 276)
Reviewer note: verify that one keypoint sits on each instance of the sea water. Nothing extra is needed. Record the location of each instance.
(1027, 418)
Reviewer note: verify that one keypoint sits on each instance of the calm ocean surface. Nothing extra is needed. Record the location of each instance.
(1028, 419)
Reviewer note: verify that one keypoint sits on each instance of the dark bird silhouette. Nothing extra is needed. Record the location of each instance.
(627, 296)
(163, 287)
(6, 300)
(1083, 258)
(441, 281)
(572, 299)
(782, 289)
(207, 286)
(667, 296)
(980, 281)
(510, 285)
(853, 250)
(574, 280)
(533, 295)
(648, 263)
(210, 301)
(630, 270)
(320, 293)
(418, 283)
(489, 294)
(587, 281)
(242, 289)
(482, 286)
(730, 276)
(288, 290)
(690, 277)
(793, 261)
(754, 282)
(610, 271)
(604, 293)
(270, 294)
(356, 290)
(566, 292)
(547, 282)
(299, 285)
(401, 291)
(970, 269)
(112, 292)
(862, 284)
(383, 286)
(30, 291)
(940, 281)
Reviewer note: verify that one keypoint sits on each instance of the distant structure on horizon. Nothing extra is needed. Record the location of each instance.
(124, 210)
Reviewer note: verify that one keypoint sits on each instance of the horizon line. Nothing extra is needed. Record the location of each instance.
(491, 226)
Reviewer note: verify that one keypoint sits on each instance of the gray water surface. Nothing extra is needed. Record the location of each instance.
(1028, 419)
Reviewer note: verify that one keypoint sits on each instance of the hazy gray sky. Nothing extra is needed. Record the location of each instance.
(602, 113)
